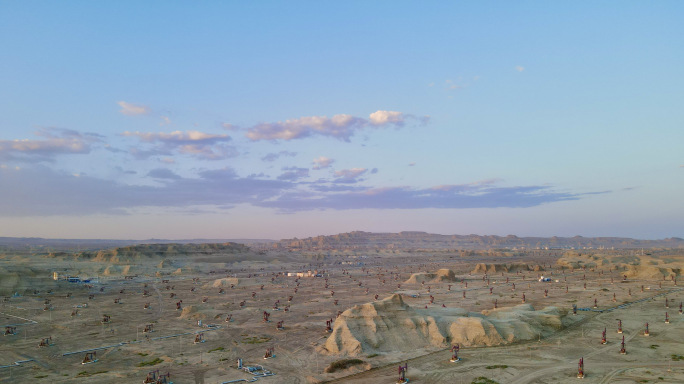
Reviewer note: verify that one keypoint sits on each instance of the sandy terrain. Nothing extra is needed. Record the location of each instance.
(539, 342)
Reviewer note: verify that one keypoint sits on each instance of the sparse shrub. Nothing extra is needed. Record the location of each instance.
(256, 340)
(150, 363)
(88, 374)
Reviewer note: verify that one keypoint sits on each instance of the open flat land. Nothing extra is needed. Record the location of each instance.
(426, 302)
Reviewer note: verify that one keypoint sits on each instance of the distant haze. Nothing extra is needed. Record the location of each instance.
(365, 241)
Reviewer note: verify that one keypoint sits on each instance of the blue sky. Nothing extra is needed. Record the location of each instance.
(281, 119)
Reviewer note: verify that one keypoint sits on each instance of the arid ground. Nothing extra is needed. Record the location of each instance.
(426, 302)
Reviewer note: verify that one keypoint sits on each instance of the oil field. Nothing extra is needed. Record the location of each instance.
(288, 312)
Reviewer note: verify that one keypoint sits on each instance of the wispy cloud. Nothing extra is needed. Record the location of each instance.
(322, 162)
(293, 173)
(53, 142)
(454, 197)
(352, 175)
(340, 126)
(229, 127)
(131, 109)
(187, 137)
(163, 173)
(519, 68)
(41, 191)
(276, 155)
(195, 143)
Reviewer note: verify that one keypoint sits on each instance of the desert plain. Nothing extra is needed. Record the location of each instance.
(348, 313)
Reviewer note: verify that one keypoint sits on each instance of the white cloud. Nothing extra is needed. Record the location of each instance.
(165, 121)
(133, 109)
(322, 162)
(519, 68)
(387, 117)
(55, 142)
(341, 126)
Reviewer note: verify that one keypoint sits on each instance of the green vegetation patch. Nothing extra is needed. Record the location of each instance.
(342, 364)
(256, 339)
(150, 363)
(497, 366)
(372, 355)
(654, 346)
(88, 374)
(142, 354)
(215, 349)
(677, 357)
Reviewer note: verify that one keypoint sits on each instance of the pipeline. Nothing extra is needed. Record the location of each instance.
(17, 363)
(30, 322)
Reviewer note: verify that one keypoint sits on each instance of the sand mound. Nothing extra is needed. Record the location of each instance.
(113, 270)
(442, 275)
(576, 261)
(633, 266)
(191, 312)
(392, 325)
(650, 271)
(225, 282)
(510, 268)
(184, 271)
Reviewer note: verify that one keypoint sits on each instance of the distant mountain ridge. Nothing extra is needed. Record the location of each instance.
(38, 243)
(359, 240)
(153, 251)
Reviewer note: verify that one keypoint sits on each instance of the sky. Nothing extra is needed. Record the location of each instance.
(280, 119)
